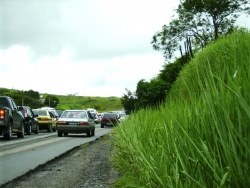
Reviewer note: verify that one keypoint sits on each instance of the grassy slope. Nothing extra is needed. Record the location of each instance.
(102, 104)
(200, 137)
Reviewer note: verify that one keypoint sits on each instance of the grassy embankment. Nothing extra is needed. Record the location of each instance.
(102, 104)
(201, 137)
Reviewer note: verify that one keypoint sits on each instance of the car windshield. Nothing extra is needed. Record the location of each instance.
(93, 114)
(74, 114)
(40, 112)
(109, 116)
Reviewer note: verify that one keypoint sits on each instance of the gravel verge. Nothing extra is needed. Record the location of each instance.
(86, 166)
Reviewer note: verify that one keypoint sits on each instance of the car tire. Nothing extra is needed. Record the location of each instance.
(21, 134)
(49, 129)
(89, 133)
(37, 129)
(8, 136)
(59, 134)
(65, 134)
(102, 126)
(93, 132)
(29, 129)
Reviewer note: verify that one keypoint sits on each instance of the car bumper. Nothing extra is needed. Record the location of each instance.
(108, 124)
(74, 129)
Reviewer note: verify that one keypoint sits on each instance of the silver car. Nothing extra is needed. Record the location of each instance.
(76, 121)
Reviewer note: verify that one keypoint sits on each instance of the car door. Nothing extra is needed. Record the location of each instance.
(91, 119)
(53, 119)
(32, 118)
(17, 115)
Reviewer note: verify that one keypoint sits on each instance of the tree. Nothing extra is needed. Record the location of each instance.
(151, 94)
(128, 101)
(33, 94)
(170, 71)
(201, 20)
(51, 101)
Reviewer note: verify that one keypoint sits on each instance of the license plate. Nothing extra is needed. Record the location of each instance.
(108, 123)
(72, 123)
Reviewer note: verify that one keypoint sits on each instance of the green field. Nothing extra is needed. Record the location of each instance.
(102, 104)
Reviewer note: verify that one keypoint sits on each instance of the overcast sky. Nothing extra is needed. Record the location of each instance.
(83, 47)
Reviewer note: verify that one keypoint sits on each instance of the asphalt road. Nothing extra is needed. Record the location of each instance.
(21, 155)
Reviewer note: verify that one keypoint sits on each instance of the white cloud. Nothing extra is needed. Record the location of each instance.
(93, 48)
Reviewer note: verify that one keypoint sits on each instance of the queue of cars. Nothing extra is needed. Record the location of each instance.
(69, 121)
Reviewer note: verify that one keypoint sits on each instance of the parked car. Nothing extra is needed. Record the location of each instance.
(46, 120)
(76, 121)
(30, 120)
(109, 119)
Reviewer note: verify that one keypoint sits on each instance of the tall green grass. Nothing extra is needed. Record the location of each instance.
(200, 136)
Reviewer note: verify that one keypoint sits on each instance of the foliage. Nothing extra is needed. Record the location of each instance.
(128, 101)
(200, 137)
(51, 101)
(21, 98)
(170, 71)
(151, 94)
(201, 20)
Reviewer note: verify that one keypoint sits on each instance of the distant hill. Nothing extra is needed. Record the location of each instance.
(101, 104)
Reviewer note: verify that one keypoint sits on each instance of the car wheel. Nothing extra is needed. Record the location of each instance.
(29, 129)
(102, 126)
(21, 134)
(65, 134)
(59, 134)
(89, 133)
(49, 129)
(93, 132)
(8, 136)
(37, 129)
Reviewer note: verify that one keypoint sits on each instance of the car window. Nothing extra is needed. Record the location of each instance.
(90, 115)
(40, 112)
(29, 112)
(51, 115)
(3, 102)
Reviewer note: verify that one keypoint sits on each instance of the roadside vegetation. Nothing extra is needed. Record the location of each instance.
(199, 137)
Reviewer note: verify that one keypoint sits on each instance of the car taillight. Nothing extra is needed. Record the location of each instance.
(44, 119)
(83, 123)
(25, 113)
(61, 123)
(2, 114)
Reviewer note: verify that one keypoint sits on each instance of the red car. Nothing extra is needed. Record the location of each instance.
(109, 119)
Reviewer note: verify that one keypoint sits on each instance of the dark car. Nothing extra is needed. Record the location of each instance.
(109, 119)
(30, 120)
(76, 121)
